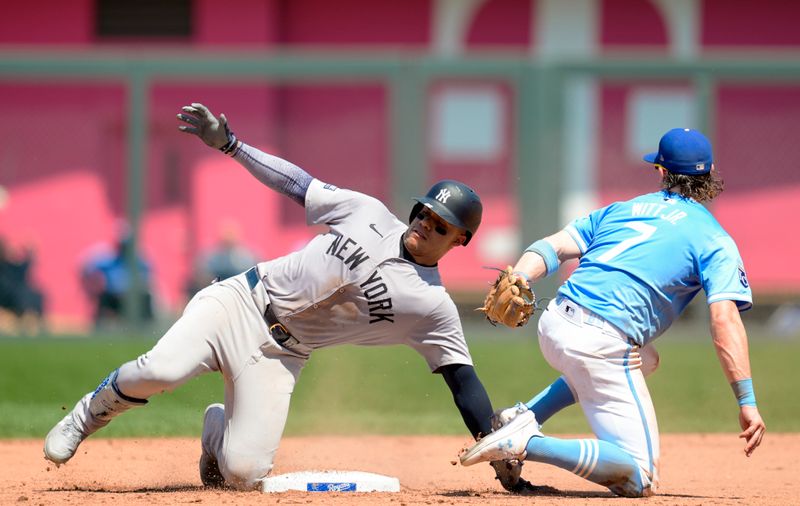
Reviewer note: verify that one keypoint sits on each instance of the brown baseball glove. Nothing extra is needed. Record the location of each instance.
(510, 300)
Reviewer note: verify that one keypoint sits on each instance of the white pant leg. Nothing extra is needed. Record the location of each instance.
(189, 348)
(219, 330)
(256, 407)
(605, 373)
(222, 329)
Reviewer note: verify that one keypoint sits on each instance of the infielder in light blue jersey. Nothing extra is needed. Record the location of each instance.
(641, 262)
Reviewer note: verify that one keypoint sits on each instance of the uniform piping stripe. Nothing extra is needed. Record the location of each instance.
(729, 296)
(580, 457)
(587, 461)
(573, 232)
(595, 460)
(589, 458)
(585, 455)
(641, 411)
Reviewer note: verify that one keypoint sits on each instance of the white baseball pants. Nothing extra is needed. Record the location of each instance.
(606, 374)
(221, 330)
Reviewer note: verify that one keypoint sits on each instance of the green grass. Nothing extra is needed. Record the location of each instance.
(388, 390)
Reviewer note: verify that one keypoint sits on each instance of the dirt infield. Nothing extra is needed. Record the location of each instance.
(696, 469)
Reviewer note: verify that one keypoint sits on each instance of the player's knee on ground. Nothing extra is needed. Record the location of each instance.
(638, 485)
(244, 472)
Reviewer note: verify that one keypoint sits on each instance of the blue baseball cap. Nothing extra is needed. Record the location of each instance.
(683, 151)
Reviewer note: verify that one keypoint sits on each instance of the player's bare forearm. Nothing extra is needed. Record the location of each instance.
(730, 340)
(533, 265)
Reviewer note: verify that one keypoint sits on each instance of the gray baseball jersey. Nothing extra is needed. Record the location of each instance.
(352, 285)
(348, 285)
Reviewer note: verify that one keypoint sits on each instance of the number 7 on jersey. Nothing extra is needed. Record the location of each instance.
(645, 231)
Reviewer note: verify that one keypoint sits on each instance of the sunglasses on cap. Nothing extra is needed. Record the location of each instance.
(438, 227)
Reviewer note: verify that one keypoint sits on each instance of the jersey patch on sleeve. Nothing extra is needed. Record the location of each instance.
(743, 277)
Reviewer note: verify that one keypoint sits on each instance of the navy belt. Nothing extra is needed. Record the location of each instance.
(276, 329)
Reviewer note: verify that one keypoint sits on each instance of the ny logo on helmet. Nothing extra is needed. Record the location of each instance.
(443, 195)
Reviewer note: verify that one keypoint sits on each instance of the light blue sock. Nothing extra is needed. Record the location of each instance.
(551, 400)
(598, 461)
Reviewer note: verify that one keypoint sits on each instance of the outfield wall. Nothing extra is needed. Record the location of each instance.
(490, 92)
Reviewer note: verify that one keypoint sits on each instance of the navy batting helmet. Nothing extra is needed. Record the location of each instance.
(455, 202)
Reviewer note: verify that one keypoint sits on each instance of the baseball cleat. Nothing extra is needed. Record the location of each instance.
(63, 440)
(213, 421)
(508, 442)
(209, 471)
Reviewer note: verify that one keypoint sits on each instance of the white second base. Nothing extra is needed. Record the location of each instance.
(331, 481)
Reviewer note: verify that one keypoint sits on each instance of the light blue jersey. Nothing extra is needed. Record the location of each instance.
(643, 260)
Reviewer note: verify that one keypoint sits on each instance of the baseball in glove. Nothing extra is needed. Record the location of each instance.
(510, 300)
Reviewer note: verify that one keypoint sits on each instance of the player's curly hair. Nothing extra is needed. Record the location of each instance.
(703, 187)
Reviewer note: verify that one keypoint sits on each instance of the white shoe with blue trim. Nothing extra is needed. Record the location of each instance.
(508, 442)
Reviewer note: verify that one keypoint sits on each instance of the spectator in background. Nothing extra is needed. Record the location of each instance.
(106, 278)
(228, 258)
(18, 295)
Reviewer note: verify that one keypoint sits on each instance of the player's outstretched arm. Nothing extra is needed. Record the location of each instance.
(730, 342)
(511, 300)
(198, 120)
(473, 402)
(274, 172)
(545, 255)
(470, 397)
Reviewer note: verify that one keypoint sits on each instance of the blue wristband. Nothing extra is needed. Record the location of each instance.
(522, 275)
(743, 389)
(545, 250)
